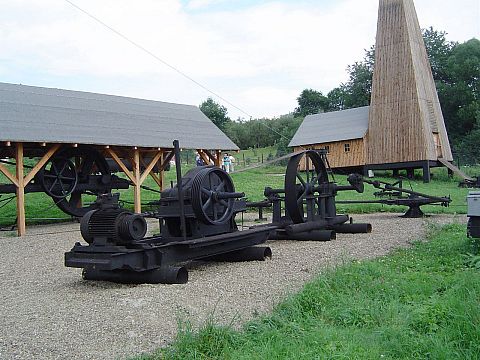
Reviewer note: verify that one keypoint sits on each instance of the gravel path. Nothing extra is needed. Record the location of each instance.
(48, 312)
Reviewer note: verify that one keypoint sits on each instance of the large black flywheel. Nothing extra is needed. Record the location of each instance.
(74, 177)
(301, 184)
(59, 177)
(213, 196)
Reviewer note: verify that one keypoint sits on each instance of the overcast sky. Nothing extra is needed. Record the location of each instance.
(257, 54)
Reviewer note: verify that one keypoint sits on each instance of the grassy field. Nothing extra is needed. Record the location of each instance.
(420, 303)
(41, 208)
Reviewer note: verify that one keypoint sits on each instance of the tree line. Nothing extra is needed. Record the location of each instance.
(456, 71)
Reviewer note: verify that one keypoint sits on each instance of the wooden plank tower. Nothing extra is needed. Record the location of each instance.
(406, 126)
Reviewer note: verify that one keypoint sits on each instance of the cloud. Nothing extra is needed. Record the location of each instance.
(259, 57)
(201, 4)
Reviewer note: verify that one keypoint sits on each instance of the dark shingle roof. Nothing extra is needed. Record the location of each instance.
(333, 126)
(36, 114)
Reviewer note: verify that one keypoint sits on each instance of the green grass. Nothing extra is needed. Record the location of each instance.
(253, 182)
(420, 303)
(249, 157)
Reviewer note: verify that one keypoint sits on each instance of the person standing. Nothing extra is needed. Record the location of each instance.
(199, 161)
(226, 162)
(232, 162)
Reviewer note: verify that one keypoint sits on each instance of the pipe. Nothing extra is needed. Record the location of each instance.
(165, 275)
(306, 226)
(253, 253)
(353, 228)
(315, 225)
(316, 235)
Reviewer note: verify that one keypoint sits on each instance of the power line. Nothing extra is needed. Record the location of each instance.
(156, 57)
(142, 48)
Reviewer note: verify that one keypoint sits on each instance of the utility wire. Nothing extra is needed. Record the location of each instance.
(156, 57)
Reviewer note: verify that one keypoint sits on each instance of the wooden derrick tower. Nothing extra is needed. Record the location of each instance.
(406, 127)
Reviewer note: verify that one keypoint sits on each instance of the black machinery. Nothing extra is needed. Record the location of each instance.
(197, 221)
(71, 173)
(309, 201)
(393, 194)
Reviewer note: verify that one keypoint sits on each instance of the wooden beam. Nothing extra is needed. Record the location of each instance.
(40, 164)
(166, 160)
(21, 229)
(157, 179)
(161, 173)
(210, 155)
(154, 176)
(150, 167)
(137, 196)
(8, 174)
(121, 164)
(204, 156)
(218, 157)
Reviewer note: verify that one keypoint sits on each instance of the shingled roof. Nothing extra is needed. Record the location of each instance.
(36, 114)
(332, 126)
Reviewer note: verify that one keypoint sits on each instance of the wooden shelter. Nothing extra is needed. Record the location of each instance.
(405, 129)
(38, 122)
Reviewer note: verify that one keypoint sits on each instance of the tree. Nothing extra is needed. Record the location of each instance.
(438, 50)
(215, 112)
(358, 90)
(311, 102)
(459, 94)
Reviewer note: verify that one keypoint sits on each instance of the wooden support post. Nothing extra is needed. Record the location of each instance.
(137, 197)
(218, 158)
(21, 229)
(161, 174)
(149, 167)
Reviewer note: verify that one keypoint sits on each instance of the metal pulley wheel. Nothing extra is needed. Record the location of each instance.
(213, 196)
(92, 174)
(301, 184)
(59, 177)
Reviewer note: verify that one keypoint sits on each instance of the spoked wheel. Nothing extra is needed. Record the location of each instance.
(59, 177)
(93, 178)
(212, 196)
(300, 185)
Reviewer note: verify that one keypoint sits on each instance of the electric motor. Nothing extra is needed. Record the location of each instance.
(114, 225)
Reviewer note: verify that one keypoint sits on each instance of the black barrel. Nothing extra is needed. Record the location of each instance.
(353, 228)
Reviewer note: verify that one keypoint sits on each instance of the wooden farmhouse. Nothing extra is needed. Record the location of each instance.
(341, 133)
(404, 127)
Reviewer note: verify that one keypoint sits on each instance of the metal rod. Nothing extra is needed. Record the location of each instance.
(178, 169)
(387, 186)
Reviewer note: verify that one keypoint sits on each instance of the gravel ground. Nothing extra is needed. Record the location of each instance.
(48, 312)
